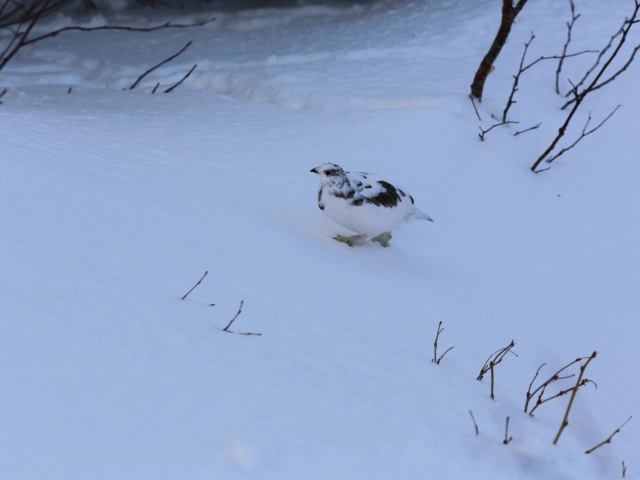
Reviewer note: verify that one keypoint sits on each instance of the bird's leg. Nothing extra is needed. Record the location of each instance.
(353, 240)
(383, 239)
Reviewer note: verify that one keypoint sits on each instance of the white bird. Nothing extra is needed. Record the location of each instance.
(364, 203)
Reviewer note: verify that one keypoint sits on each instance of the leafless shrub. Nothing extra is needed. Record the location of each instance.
(437, 359)
(556, 377)
(593, 83)
(493, 360)
(574, 391)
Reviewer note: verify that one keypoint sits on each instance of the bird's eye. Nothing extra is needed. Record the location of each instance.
(329, 173)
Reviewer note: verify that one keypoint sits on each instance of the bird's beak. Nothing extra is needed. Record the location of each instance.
(314, 170)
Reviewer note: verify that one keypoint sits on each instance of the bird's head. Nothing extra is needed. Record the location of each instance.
(330, 172)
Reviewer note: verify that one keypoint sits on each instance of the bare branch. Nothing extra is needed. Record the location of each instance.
(608, 440)
(166, 60)
(570, 25)
(226, 329)
(507, 438)
(435, 359)
(583, 134)
(193, 288)
(522, 69)
(516, 79)
(493, 360)
(540, 390)
(475, 425)
(580, 95)
(117, 27)
(484, 132)
(170, 89)
(565, 420)
(535, 127)
(473, 102)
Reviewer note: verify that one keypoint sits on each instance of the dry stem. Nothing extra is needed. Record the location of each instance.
(565, 420)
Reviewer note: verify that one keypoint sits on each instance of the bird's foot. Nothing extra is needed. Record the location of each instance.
(383, 239)
(353, 240)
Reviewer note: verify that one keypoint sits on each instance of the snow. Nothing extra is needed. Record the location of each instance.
(114, 203)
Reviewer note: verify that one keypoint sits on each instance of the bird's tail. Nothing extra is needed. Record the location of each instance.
(420, 215)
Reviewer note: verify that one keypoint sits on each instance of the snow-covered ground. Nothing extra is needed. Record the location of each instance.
(114, 203)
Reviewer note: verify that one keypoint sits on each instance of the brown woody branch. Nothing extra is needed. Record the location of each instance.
(509, 14)
(565, 420)
(522, 69)
(584, 133)
(493, 360)
(540, 390)
(579, 96)
(437, 359)
(608, 440)
(570, 25)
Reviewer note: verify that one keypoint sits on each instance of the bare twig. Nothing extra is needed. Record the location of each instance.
(155, 88)
(624, 470)
(21, 38)
(608, 440)
(437, 359)
(535, 127)
(170, 89)
(522, 69)
(509, 14)
(166, 60)
(473, 102)
(507, 438)
(584, 133)
(475, 425)
(193, 288)
(570, 25)
(516, 79)
(484, 132)
(226, 329)
(118, 27)
(540, 390)
(2, 94)
(580, 95)
(493, 360)
(565, 420)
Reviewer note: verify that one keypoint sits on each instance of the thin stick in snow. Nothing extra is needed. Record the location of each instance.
(193, 288)
(435, 359)
(226, 329)
(608, 440)
(507, 438)
(535, 127)
(493, 360)
(475, 425)
(170, 89)
(166, 60)
(565, 420)
(484, 132)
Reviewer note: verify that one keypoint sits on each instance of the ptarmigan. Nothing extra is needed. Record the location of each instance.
(364, 203)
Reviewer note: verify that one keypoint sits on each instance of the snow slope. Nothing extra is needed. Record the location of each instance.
(114, 203)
